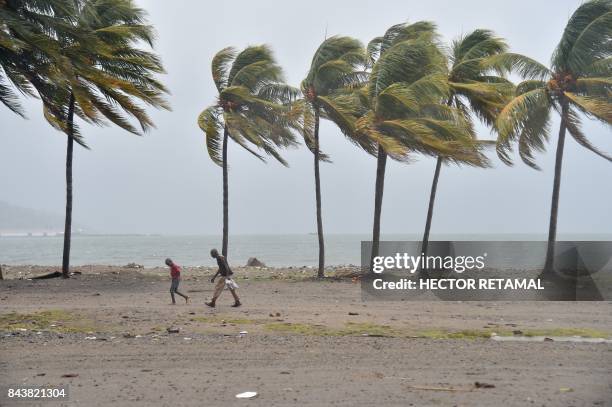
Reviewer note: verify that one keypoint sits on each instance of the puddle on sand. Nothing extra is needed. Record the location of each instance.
(575, 339)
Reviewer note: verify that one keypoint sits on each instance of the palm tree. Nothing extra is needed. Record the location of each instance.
(100, 76)
(335, 66)
(403, 103)
(476, 87)
(252, 108)
(26, 47)
(578, 82)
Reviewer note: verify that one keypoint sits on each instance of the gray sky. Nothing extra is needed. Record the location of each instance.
(165, 182)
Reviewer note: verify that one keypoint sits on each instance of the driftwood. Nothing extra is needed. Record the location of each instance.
(55, 274)
(1, 276)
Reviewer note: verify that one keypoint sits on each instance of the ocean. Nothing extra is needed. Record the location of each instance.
(273, 250)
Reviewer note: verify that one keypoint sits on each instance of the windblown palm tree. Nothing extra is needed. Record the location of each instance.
(26, 47)
(336, 64)
(100, 75)
(252, 108)
(476, 87)
(405, 103)
(579, 82)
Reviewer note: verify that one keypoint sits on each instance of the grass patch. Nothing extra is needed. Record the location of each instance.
(299, 329)
(583, 332)
(469, 334)
(219, 319)
(350, 329)
(52, 320)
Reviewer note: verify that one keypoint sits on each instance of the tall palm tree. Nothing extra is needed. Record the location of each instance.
(478, 88)
(101, 74)
(252, 108)
(404, 105)
(337, 64)
(579, 82)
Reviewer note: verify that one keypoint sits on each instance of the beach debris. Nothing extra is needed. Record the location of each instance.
(353, 313)
(254, 262)
(247, 395)
(517, 332)
(41, 374)
(173, 330)
(278, 314)
(433, 388)
(483, 385)
(271, 315)
(187, 339)
(547, 339)
(242, 334)
(93, 338)
(133, 266)
(70, 375)
(285, 372)
(128, 335)
(566, 389)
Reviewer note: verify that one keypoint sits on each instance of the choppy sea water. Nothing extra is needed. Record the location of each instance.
(274, 250)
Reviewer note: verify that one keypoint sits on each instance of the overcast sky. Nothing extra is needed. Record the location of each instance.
(165, 183)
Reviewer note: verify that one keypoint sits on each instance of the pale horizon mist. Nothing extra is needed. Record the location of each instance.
(165, 183)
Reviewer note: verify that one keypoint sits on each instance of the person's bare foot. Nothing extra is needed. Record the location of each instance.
(237, 304)
(187, 300)
(210, 304)
(173, 303)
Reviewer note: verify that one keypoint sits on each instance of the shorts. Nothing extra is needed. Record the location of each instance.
(174, 285)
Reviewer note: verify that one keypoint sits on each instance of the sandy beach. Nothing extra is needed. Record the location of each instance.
(308, 341)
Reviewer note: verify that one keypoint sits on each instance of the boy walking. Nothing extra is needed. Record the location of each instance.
(224, 281)
(175, 274)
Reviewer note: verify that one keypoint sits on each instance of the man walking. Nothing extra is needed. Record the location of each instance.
(224, 281)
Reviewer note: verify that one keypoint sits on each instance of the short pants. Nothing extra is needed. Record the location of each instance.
(174, 285)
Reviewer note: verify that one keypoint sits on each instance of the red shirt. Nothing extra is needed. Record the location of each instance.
(175, 271)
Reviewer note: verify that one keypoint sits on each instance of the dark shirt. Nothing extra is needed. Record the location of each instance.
(224, 268)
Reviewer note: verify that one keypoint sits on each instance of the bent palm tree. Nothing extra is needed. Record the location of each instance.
(406, 64)
(405, 105)
(579, 82)
(476, 87)
(252, 108)
(100, 75)
(334, 65)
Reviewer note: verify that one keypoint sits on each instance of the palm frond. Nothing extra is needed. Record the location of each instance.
(586, 37)
(526, 119)
(210, 124)
(220, 66)
(573, 125)
(600, 108)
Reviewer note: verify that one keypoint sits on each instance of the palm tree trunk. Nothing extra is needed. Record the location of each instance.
(554, 207)
(68, 219)
(381, 163)
(432, 199)
(321, 271)
(225, 195)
